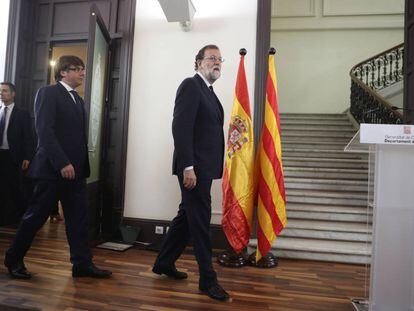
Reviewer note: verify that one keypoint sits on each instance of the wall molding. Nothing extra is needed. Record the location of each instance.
(147, 233)
(358, 7)
(293, 8)
(336, 14)
(343, 23)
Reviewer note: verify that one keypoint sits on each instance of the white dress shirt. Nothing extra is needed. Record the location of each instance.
(68, 88)
(204, 79)
(10, 107)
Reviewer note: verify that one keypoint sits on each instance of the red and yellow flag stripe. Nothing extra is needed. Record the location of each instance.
(271, 201)
(238, 179)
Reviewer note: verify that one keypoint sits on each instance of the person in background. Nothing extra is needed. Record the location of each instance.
(16, 151)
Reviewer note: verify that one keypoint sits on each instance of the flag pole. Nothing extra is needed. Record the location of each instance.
(229, 258)
(269, 260)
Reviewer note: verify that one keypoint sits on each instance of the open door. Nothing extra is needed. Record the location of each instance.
(96, 99)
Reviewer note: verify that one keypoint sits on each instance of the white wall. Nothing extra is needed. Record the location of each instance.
(319, 41)
(163, 57)
(4, 20)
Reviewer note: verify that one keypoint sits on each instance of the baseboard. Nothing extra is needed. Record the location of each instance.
(148, 235)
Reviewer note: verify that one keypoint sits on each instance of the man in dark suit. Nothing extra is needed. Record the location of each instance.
(198, 159)
(59, 168)
(16, 150)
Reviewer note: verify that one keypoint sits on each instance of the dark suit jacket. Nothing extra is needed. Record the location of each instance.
(198, 130)
(20, 136)
(61, 130)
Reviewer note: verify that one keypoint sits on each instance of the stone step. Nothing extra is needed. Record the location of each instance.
(325, 173)
(320, 128)
(325, 225)
(313, 132)
(326, 184)
(341, 258)
(332, 215)
(299, 139)
(313, 249)
(326, 194)
(328, 162)
(320, 122)
(323, 198)
(327, 235)
(314, 116)
(322, 153)
(314, 144)
(346, 209)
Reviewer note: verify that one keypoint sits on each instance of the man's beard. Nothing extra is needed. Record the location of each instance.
(213, 75)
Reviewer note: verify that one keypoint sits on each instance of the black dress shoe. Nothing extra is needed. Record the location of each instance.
(18, 270)
(215, 291)
(90, 270)
(170, 272)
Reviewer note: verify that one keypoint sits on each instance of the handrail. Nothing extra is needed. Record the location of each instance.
(370, 76)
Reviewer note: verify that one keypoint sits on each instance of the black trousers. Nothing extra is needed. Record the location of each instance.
(72, 195)
(192, 220)
(55, 209)
(13, 201)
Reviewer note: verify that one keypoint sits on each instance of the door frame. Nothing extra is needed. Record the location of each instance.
(95, 189)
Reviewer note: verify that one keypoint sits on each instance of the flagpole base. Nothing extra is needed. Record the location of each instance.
(229, 258)
(268, 261)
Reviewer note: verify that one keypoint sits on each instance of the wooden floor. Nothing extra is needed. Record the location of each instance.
(293, 285)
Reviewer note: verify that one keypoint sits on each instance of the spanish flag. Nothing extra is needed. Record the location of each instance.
(271, 198)
(238, 179)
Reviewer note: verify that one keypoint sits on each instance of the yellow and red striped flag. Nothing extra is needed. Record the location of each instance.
(238, 179)
(271, 198)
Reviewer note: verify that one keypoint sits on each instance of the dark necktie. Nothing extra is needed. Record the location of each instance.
(78, 99)
(220, 109)
(79, 103)
(2, 124)
(214, 94)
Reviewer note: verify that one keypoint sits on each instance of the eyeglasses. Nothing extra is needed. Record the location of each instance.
(76, 69)
(214, 59)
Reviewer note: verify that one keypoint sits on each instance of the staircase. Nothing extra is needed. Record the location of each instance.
(326, 191)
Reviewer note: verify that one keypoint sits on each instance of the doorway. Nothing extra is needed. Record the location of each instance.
(58, 49)
(43, 30)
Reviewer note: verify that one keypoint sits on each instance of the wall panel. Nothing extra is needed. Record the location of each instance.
(293, 8)
(365, 7)
(314, 55)
(73, 17)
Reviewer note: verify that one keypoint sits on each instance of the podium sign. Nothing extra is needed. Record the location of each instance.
(387, 134)
(392, 261)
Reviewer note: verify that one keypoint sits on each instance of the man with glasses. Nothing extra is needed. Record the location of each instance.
(59, 169)
(198, 159)
(16, 150)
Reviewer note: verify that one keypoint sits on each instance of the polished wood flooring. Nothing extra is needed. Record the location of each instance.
(293, 285)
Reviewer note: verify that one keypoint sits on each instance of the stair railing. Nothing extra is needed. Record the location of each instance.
(370, 76)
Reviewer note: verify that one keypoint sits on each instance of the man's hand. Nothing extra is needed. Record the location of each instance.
(189, 179)
(25, 165)
(68, 172)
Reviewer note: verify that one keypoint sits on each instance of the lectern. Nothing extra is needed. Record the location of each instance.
(392, 198)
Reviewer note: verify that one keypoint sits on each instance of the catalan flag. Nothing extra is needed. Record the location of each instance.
(238, 179)
(271, 205)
